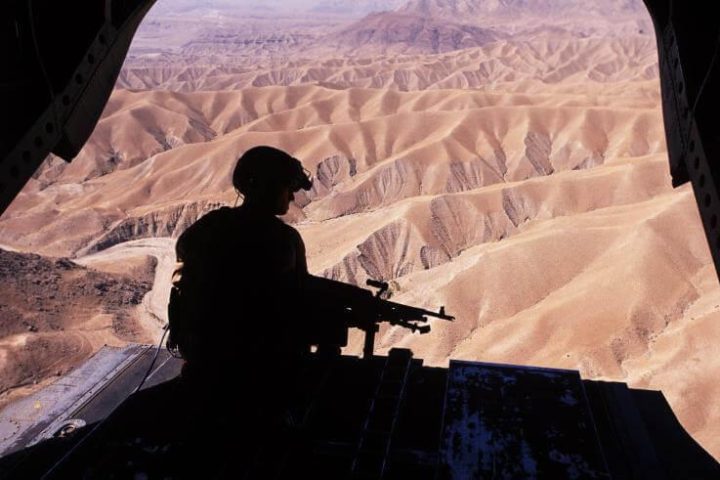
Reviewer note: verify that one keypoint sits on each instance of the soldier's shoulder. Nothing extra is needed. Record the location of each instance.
(212, 217)
(218, 213)
(285, 227)
(290, 232)
(206, 224)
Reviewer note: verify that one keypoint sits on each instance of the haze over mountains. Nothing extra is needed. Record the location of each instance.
(510, 166)
(207, 34)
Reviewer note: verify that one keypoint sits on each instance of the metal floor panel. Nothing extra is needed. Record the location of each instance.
(38, 416)
(509, 422)
(59, 416)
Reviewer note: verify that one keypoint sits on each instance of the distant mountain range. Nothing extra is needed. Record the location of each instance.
(458, 10)
(246, 31)
(344, 7)
(434, 26)
(359, 7)
(474, 9)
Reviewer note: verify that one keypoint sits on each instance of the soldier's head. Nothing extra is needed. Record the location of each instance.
(267, 177)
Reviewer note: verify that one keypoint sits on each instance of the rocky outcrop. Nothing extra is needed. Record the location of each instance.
(431, 257)
(348, 270)
(517, 207)
(330, 172)
(51, 312)
(473, 174)
(390, 252)
(411, 33)
(42, 294)
(386, 184)
(168, 222)
(458, 224)
(538, 147)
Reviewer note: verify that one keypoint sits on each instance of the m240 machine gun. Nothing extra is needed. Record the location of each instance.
(362, 309)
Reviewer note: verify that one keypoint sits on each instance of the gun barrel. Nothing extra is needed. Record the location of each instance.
(414, 313)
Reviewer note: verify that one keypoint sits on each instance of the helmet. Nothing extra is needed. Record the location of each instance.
(268, 165)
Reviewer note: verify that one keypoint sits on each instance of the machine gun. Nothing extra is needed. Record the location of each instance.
(361, 309)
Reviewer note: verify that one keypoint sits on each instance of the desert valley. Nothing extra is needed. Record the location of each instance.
(504, 159)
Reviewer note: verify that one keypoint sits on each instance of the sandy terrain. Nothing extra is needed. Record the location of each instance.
(523, 183)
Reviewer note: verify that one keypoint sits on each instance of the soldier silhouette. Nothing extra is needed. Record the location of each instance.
(237, 314)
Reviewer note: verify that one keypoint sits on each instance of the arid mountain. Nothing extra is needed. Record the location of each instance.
(522, 183)
(358, 7)
(431, 26)
(392, 32)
